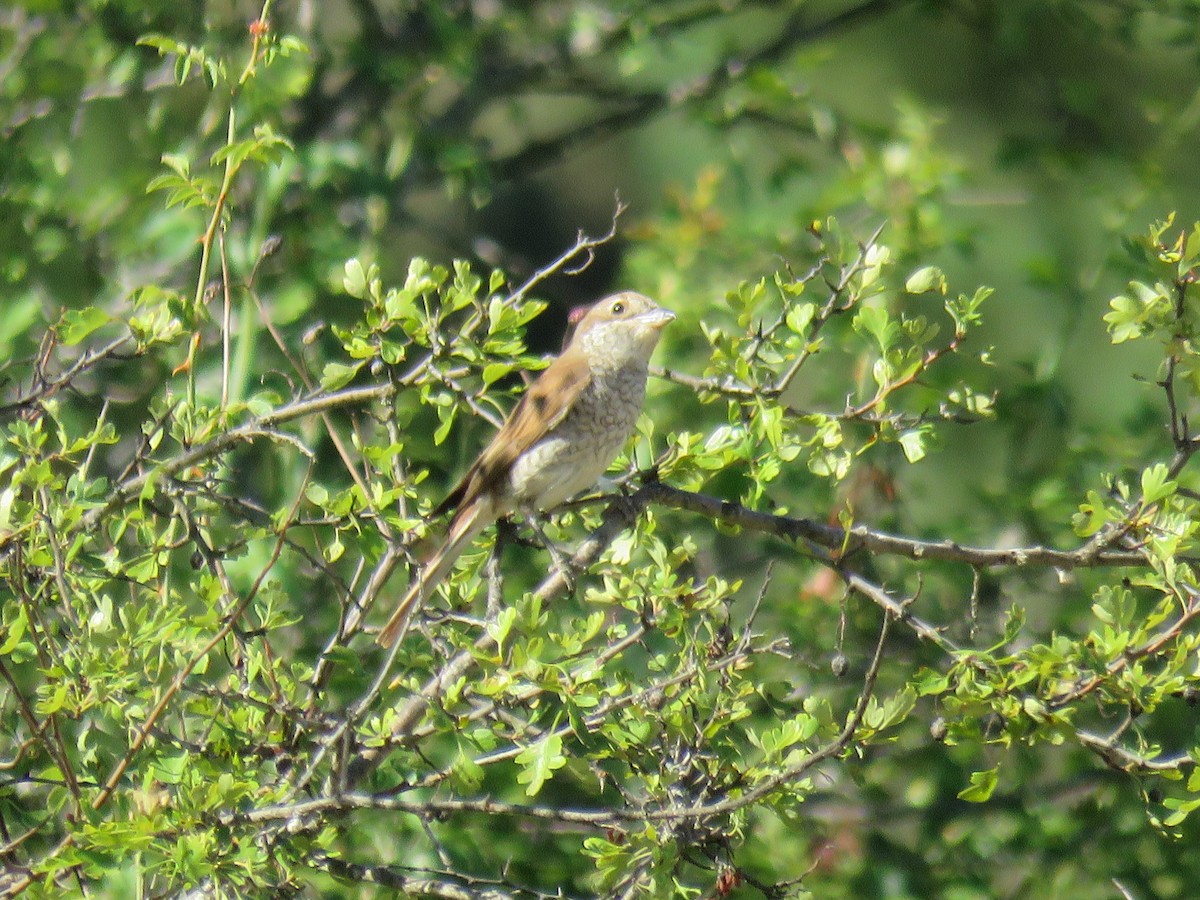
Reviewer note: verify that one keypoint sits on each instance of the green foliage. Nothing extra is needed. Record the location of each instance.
(875, 608)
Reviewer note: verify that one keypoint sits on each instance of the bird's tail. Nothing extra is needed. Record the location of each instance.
(464, 528)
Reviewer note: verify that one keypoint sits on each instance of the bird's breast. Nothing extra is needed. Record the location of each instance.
(573, 455)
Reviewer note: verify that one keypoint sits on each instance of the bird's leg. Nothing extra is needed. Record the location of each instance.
(624, 501)
(506, 533)
(561, 561)
(508, 528)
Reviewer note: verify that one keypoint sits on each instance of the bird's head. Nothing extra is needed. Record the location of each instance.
(621, 329)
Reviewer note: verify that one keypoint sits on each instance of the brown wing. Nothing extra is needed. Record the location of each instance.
(540, 409)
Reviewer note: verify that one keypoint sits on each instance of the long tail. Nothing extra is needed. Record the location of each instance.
(464, 528)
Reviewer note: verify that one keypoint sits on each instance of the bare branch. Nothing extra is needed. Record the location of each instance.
(583, 245)
(861, 537)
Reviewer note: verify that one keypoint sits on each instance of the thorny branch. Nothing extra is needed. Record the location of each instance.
(879, 543)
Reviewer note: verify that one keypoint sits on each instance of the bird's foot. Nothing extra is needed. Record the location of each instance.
(623, 503)
(565, 566)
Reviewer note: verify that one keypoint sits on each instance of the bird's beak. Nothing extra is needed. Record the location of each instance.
(656, 318)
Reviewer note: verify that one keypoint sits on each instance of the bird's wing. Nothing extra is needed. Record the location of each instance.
(541, 408)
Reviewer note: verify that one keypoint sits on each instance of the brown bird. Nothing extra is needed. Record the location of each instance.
(561, 436)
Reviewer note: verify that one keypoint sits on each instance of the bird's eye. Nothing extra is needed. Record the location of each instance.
(618, 308)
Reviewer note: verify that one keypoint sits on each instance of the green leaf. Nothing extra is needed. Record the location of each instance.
(913, 445)
(494, 371)
(264, 147)
(1123, 319)
(77, 324)
(876, 257)
(334, 550)
(880, 715)
(1183, 808)
(1191, 254)
(964, 310)
(1014, 622)
(16, 631)
(1156, 485)
(499, 630)
(354, 281)
(983, 784)
(539, 761)
(926, 279)
(875, 321)
(7, 498)
(800, 316)
(54, 699)
(447, 413)
(337, 375)
(399, 304)
(930, 682)
(162, 44)
(467, 773)
(1092, 516)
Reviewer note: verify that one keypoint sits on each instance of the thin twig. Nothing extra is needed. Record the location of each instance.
(583, 244)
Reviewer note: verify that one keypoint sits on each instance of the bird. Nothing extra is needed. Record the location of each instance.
(559, 439)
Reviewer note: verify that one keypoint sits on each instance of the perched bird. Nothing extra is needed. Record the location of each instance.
(565, 431)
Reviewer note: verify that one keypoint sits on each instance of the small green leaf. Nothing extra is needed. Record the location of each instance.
(875, 321)
(1092, 516)
(7, 497)
(77, 324)
(16, 631)
(398, 304)
(446, 417)
(1156, 485)
(1013, 623)
(964, 310)
(539, 762)
(334, 550)
(926, 279)
(1123, 319)
(913, 445)
(800, 316)
(1183, 808)
(876, 257)
(499, 630)
(983, 784)
(467, 773)
(930, 682)
(162, 44)
(355, 279)
(494, 371)
(54, 700)
(336, 375)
